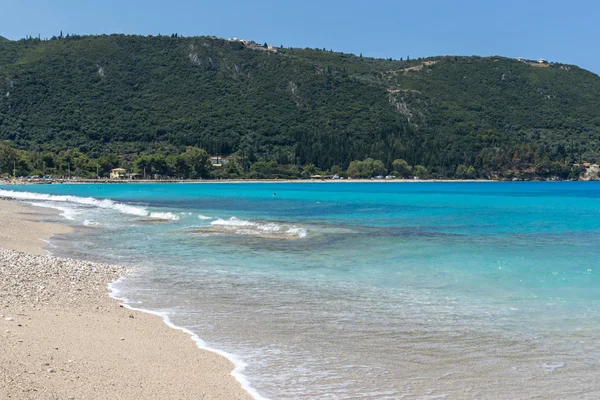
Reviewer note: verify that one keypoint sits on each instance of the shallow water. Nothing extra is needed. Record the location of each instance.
(363, 290)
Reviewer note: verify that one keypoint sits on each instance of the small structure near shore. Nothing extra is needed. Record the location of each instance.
(219, 161)
(118, 173)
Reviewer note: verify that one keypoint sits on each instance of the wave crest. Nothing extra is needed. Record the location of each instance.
(89, 201)
(254, 228)
(164, 215)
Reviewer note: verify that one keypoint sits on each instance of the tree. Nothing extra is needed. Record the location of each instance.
(232, 169)
(421, 172)
(366, 169)
(309, 170)
(356, 169)
(471, 172)
(105, 164)
(377, 166)
(263, 169)
(464, 172)
(401, 168)
(461, 171)
(151, 164)
(8, 158)
(198, 160)
(337, 170)
(177, 166)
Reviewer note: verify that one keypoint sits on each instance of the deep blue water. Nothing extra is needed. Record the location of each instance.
(363, 290)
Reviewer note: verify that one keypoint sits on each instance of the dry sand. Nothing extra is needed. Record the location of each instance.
(63, 337)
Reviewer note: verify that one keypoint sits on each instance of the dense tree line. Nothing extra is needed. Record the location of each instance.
(195, 163)
(87, 103)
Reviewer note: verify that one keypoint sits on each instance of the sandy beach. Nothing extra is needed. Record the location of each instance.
(63, 337)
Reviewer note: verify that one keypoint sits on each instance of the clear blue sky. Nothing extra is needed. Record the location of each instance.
(557, 30)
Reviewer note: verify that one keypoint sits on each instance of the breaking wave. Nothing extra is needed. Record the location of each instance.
(89, 201)
(164, 215)
(65, 212)
(253, 228)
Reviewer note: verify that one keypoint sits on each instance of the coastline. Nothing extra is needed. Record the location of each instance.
(281, 181)
(237, 181)
(62, 336)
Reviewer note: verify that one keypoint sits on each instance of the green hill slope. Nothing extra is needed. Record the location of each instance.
(131, 94)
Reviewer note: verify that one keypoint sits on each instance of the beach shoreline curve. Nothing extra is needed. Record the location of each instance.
(65, 335)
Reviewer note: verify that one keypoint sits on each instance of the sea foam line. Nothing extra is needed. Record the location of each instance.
(241, 226)
(239, 364)
(67, 213)
(89, 201)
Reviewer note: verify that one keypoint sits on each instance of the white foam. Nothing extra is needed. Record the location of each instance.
(203, 217)
(239, 364)
(551, 367)
(164, 215)
(300, 232)
(65, 212)
(244, 227)
(88, 201)
(87, 222)
(48, 246)
(233, 221)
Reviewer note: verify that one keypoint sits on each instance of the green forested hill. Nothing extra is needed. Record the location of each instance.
(130, 95)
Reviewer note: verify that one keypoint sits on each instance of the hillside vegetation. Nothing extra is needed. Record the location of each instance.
(292, 110)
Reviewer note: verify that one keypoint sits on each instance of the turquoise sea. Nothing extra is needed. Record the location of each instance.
(361, 290)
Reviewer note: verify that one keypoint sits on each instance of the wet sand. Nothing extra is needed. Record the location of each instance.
(21, 227)
(63, 337)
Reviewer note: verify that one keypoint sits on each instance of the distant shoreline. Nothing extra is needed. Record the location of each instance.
(256, 181)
